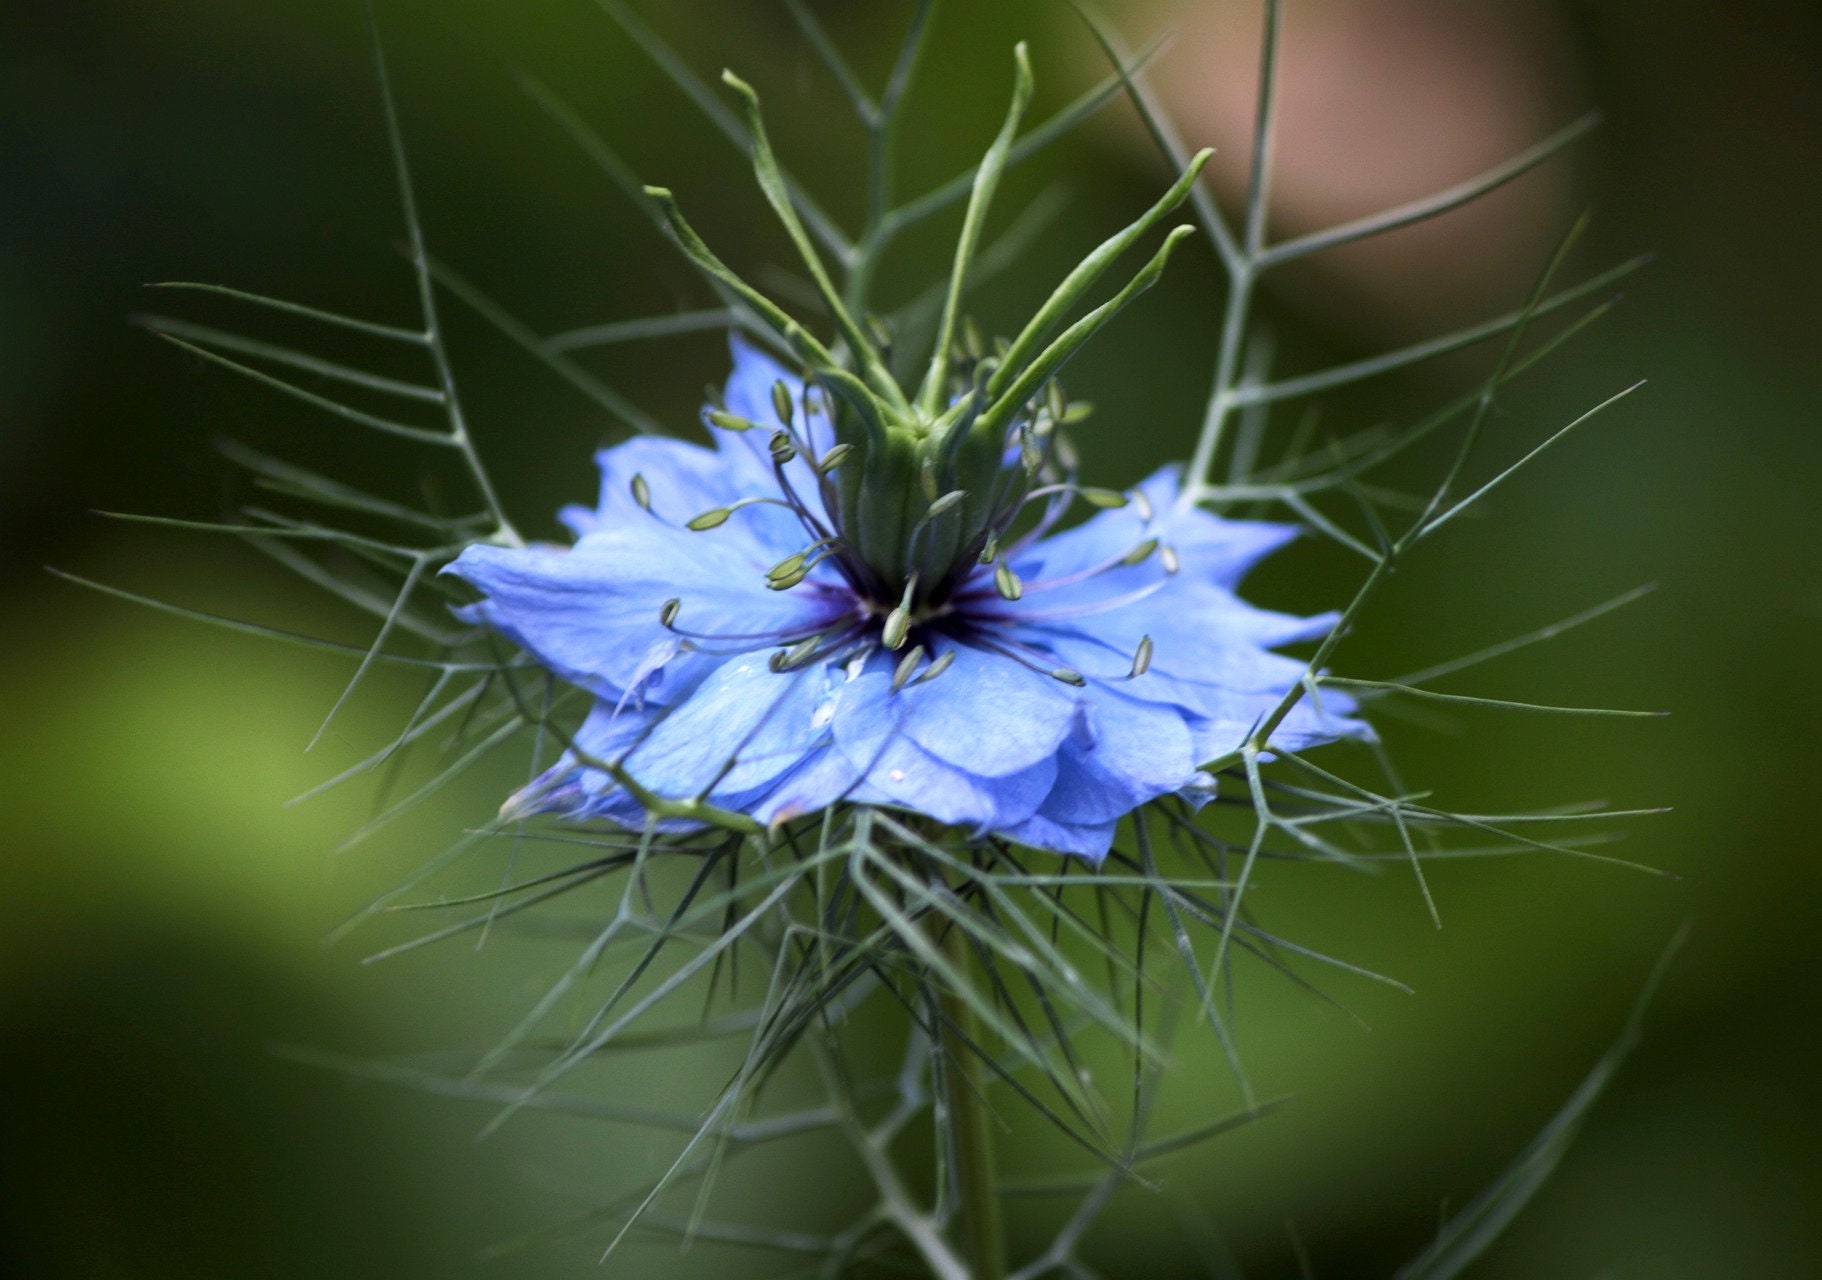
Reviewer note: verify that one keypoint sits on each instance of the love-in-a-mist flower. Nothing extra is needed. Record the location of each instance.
(750, 646)
(866, 594)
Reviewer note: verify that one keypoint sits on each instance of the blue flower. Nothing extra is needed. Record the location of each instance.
(739, 651)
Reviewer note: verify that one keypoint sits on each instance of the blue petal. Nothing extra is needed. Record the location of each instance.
(748, 394)
(825, 777)
(574, 790)
(747, 454)
(742, 728)
(683, 479)
(1129, 753)
(1089, 841)
(987, 714)
(592, 614)
(868, 732)
(1211, 549)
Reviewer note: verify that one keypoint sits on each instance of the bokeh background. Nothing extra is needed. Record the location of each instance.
(162, 912)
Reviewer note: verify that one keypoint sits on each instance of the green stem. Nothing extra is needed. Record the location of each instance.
(970, 1133)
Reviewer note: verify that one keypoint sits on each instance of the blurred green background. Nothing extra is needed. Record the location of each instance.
(162, 912)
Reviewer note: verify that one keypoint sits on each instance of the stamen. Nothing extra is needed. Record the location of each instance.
(785, 581)
(813, 649)
(907, 667)
(782, 448)
(730, 421)
(834, 458)
(1136, 556)
(787, 566)
(667, 617)
(1006, 582)
(1141, 658)
(1031, 659)
(791, 564)
(715, 517)
(1141, 553)
(944, 503)
(1142, 505)
(944, 661)
(642, 492)
(1030, 455)
(1086, 609)
(1106, 499)
(1167, 556)
(781, 402)
(785, 659)
(811, 524)
(898, 622)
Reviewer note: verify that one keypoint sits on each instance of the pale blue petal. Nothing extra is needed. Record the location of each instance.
(575, 790)
(1128, 753)
(747, 454)
(987, 714)
(868, 725)
(591, 614)
(684, 480)
(1211, 549)
(824, 778)
(1089, 841)
(737, 733)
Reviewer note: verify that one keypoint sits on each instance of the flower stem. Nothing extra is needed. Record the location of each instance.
(970, 1135)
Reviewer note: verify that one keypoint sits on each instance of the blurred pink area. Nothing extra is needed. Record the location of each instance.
(1381, 102)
